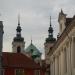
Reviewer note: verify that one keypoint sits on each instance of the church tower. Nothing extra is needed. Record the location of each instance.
(48, 46)
(18, 43)
(49, 43)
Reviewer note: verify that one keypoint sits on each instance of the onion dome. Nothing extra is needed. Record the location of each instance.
(18, 30)
(50, 36)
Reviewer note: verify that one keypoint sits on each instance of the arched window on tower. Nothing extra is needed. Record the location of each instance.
(18, 49)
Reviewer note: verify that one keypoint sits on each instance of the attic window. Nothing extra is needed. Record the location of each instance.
(18, 49)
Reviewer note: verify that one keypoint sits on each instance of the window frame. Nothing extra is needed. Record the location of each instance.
(3, 70)
(20, 70)
(37, 71)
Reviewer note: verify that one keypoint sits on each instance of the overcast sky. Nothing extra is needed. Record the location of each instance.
(34, 17)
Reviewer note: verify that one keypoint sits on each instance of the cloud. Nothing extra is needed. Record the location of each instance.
(35, 21)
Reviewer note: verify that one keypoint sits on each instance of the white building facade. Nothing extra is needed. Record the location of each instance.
(62, 54)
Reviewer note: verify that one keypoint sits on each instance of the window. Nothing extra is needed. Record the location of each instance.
(37, 72)
(18, 49)
(48, 72)
(20, 72)
(2, 71)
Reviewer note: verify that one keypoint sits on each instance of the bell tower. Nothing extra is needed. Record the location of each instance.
(49, 43)
(18, 43)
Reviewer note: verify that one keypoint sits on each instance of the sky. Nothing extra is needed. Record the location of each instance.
(34, 19)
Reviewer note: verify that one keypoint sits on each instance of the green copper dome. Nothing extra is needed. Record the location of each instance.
(33, 50)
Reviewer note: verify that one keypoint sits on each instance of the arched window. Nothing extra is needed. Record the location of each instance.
(18, 49)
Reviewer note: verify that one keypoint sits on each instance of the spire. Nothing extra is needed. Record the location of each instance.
(50, 29)
(18, 19)
(61, 11)
(50, 20)
(50, 36)
(18, 27)
(18, 32)
(31, 39)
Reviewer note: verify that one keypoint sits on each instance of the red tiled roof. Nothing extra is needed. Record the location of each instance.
(18, 60)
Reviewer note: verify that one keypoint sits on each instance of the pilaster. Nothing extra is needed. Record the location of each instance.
(57, 65)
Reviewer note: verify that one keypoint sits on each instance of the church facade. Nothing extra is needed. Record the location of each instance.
(18, 46)
(18, 62)
(60, 54)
